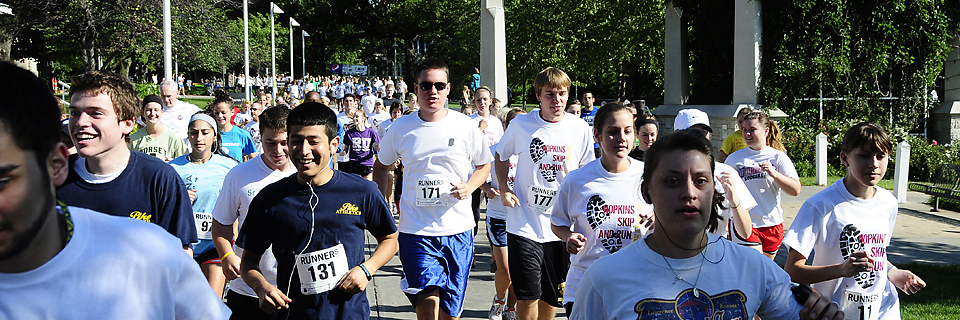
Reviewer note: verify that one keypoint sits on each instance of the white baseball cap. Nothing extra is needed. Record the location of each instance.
(687, 118)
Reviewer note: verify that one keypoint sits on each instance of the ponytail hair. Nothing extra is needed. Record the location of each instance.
(774, 137)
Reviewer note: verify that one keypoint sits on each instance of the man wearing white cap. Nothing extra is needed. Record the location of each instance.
(737, 198)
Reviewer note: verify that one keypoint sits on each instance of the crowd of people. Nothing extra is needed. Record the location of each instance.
(588, 208)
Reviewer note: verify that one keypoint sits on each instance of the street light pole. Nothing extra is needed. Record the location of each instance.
(303, 53)
(293, 23)
(246, 52)
(273, 48)
(167, 51)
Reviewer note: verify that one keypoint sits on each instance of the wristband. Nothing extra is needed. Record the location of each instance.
(225, 255)
(366, 272)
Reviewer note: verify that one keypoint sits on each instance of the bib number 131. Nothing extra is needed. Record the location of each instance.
(321, 270)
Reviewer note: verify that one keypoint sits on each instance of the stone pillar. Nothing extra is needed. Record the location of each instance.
(945, 118)
(676, 66)
(493, 48)
(747, 34)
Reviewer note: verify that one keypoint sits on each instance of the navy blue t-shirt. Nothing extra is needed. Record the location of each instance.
(280, 216)
(148, 189)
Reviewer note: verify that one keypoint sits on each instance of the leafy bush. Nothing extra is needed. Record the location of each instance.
(145, 89)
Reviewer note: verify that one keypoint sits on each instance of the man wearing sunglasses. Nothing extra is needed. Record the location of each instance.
(445, 160)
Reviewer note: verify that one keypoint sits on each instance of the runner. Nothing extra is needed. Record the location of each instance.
(203, 170)
(680, 271)
(504, 300)
(109, 178)
(849, 225)
(60, 262)
(237, 142)
(240, 186)
(154, 138)
(549, 146)
(444, 160)
(601, 202)
(315, 221)
(361, 144)
(766, 171)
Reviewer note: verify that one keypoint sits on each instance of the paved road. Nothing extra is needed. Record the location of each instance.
(920, 235)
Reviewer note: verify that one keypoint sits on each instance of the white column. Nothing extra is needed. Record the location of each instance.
(951, 70)
(676, 70)
(747, 37)
(493, 48)
(167, 50)
(246, 52)
(901, 172)
(821, 159)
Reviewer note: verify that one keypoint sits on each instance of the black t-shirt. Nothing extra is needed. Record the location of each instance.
(280, 215)
(148, 189)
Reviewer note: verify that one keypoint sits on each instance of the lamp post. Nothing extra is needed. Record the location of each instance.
(246, 52)
(274, 9)
(293, 23)
(167, 51)
(303, 54)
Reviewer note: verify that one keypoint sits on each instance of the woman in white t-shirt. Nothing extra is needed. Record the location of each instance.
(849, 226)
(601, 201)
(680, 271)
(766, 171)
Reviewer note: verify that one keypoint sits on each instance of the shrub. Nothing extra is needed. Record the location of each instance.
(145, 89)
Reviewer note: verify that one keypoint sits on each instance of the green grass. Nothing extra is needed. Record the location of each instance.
(202, 103)
(939, 300)
(812, 181)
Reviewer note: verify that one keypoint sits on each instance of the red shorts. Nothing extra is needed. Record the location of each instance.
(769, 237)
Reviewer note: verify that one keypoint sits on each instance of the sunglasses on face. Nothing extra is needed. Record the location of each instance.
(425, 86)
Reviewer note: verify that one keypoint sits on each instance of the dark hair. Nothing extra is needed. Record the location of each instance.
(120, 90)
(606, 112)
(644, 121)
(221, 96)
(30, 113)
(867, 136)
(684, 140)
(396, 105)
(349, 95)
(483, 88)
(274, 118)
(512, 114)
(430, 64)
(314, 114)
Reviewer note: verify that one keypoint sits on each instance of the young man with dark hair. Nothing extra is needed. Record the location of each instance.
(444, 160)
(549, 145)
(109, 178)
(65, 262)
(315, 221)
(240, 186)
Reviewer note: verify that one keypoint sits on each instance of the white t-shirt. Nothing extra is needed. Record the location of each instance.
(764, 189)
(178, 117)
(547, 152)
(242, 117)
(241, 184)
(368, 102)
(605, 207)
(382, 130)
(833, 224)
(743, 193)
(435, 156)
(253, 127)
(376, 120)
(495, 207)
(112, 268)
(345, 119)
(636, 283)
(494, 130)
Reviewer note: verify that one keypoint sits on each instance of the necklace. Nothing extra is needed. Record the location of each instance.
(696, 292)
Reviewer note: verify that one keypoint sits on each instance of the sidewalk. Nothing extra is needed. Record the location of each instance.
(920, 236)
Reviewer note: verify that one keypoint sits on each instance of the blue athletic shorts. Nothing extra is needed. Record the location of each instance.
(497, 232)
(441, 263)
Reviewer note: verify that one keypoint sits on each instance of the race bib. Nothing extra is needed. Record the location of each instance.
(433, 192)
(541, 199)
(204, 222)
(321, 270)
(860, 306)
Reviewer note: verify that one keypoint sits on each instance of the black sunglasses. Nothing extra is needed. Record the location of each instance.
(426, 85)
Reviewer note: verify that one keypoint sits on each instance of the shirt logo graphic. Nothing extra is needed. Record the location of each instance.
(350, 209)
(729, 305)
(850, 242)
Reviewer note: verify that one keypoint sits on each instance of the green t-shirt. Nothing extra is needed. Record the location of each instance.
(167, 146)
